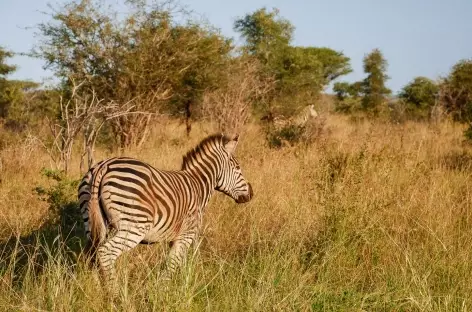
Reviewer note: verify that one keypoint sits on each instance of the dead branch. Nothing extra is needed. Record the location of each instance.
(229, 106)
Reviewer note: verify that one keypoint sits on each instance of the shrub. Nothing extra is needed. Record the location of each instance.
(63, 206)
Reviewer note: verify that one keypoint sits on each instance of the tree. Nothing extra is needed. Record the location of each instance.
(22, 106)
(311, 67)
(266, 34)
(300, 72)
(5, 69)
(456, 91)
(206, 65)
(145, 60)
(348, 96)
(334, 64)
(303, 73)
(267, 38)
(229, 105)
(16, 103)
(373, 88)
(5, 85)
(420, 96)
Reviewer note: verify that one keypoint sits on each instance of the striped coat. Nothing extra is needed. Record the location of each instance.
(301, 119)
(125, 201)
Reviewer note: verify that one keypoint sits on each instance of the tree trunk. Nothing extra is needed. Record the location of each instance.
(188, 115)
(145, 132)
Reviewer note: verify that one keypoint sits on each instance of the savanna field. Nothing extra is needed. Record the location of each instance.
(372, 216)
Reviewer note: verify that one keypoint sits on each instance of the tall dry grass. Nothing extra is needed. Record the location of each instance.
(371, 217)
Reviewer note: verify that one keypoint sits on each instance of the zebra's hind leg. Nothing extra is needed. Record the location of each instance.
(178, 253)
(107, 254)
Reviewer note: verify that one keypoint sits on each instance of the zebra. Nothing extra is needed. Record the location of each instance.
(306, 114)
(301, 119)
(125, 201)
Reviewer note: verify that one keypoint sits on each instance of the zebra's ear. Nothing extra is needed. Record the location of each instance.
(230, 146)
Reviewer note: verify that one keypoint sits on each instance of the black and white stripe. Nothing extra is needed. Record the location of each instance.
(125, 201)
(306, 114)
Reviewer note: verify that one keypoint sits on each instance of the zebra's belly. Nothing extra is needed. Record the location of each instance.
(161, 234)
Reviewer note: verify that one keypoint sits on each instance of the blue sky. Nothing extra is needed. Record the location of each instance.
(418, 37)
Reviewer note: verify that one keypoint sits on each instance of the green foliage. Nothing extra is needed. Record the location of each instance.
(266, 34)
(348, 96)
(5, 86)
(60, 196)
(419, 96)
(146, 59)
(374, 89)
(205, 65)
(310, 69)
(28, 104)
(5, 69)
(300, 72)
(457, 91)
(344, 89)
(267, 38)
(62, 229)
(456, 94)
(366, 95)
(15, 95)
(334, 63)
(299, 76)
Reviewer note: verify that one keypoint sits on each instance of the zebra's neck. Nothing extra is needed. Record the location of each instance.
(204, 171)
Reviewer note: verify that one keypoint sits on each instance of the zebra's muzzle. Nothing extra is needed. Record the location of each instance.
(245, 198)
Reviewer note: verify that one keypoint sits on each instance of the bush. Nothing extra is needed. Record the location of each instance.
(419, 97)
(292, 134)
(289, 134)
(63, 206)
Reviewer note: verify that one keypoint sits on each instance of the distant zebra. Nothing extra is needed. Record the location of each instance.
(307, 113)
(300, 119)
(125, 202)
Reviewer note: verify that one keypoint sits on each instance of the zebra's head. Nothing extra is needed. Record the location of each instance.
(230, 179)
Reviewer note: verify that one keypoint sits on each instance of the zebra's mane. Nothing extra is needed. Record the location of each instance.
(217, 138)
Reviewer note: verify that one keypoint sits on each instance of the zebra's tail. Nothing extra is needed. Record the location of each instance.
(97, 217)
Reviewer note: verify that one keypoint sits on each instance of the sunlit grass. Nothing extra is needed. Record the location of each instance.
(372, 217)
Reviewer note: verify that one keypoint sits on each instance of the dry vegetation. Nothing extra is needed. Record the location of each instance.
(371, 216)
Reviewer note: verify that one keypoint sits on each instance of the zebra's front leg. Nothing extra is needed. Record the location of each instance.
(107, 254)
(178, 253)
